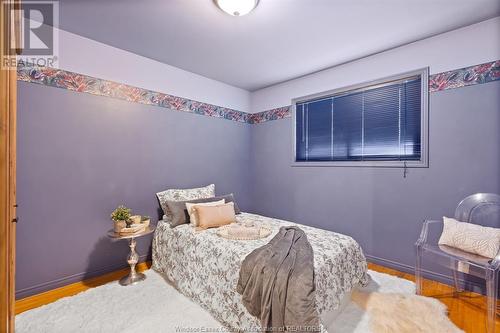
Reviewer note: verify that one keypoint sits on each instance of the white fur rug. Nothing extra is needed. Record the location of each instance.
(155, 306)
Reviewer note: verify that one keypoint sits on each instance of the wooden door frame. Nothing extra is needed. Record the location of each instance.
(8, 99)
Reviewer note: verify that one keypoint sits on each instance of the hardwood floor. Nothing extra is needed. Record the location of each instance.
(467, 311)
(50, 296)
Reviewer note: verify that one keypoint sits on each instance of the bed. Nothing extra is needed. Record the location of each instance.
(205, 267)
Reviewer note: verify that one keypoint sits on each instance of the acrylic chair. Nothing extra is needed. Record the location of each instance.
(482, 209)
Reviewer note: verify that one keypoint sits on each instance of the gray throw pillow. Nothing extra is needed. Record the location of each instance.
(180, 214)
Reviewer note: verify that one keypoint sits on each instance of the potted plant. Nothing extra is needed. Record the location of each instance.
(145, 220)
(121, 218)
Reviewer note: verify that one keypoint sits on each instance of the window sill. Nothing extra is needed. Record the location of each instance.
(370, 164)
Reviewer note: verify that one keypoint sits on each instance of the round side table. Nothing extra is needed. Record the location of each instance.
(133, 277)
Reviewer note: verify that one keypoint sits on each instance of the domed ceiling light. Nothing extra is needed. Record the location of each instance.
(237, 7)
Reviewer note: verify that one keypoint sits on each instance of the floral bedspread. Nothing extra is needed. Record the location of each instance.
(205, 267)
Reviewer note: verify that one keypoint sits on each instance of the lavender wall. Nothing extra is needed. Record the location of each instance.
(377, 206)
(80, 155)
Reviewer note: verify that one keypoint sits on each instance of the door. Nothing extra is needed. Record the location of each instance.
(8, 37)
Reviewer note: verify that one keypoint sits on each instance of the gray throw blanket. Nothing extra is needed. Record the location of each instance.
(277, 283)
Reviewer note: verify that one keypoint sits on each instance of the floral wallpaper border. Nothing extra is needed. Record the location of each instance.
(458, 78)
(483, 73)
(273, 114)
(82, 83)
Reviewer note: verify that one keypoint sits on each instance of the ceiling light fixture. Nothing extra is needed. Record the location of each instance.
(237, 7)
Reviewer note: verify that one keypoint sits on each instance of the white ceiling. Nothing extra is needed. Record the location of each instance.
(280, 40)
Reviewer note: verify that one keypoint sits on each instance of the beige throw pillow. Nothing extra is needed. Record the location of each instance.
(192, 214)
(471, 238)
(215, 216)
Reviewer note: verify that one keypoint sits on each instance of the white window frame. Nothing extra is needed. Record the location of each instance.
(424, 120)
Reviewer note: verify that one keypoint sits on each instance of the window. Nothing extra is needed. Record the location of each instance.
(381, 123)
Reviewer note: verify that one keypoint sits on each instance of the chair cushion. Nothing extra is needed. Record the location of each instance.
(471, 238)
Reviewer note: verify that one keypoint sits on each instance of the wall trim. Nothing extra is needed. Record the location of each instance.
(458, 78)
(54, 294)
(76, 82)
(462, 77)
(57, 283)
(34, 301)
(273, 114)
(446, 279)
(467, 76)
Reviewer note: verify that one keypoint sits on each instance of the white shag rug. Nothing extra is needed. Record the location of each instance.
(155, 306)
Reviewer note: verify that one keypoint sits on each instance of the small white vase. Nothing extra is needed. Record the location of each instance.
(146, 222)
(136, 219)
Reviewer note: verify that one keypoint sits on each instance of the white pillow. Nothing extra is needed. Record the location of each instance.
(471, 238)
(192, 213)
(183, 195)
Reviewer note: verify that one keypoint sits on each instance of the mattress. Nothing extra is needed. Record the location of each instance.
(205, 267)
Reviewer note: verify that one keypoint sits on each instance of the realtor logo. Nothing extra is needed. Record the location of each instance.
(36, 36)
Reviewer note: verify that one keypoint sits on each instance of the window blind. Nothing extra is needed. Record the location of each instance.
(370, 124)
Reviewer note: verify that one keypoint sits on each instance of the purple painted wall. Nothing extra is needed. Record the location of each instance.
(377, 206)
(80, 155)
